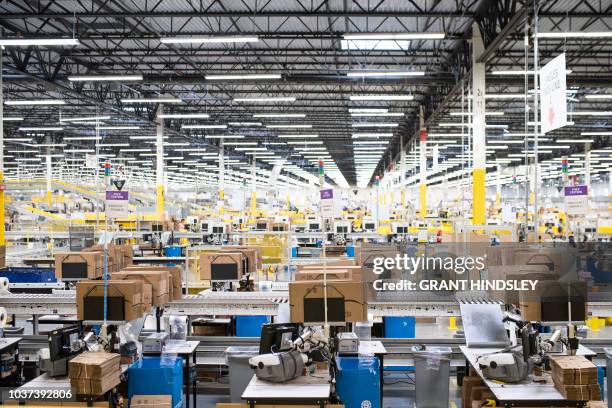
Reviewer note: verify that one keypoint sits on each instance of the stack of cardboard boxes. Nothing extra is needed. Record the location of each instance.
(131, 292)
(2, 256)
(89, 263)
(347, 293)
(230, 262)
(94, 373)
(151, 401)
(575, 377)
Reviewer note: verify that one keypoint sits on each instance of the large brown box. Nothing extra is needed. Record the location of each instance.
(346, 302)
(466, 390)
(573, 370)
(79, 265)
(96, 386)
(93, 364)
(253, 259)
(225, 266)
(125, 300)
(115, 256)
(549, 301)
(175, 271)
(159, 281)
(151, 401)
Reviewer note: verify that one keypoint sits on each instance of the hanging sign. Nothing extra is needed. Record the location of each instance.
(553, 99)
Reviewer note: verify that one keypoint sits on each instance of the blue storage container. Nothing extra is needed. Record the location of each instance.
(350, 251)
(358, 381)
(157, 376)
(294, 251)
(28, 275)
(250, 326)
(173, 251)
(400, 327)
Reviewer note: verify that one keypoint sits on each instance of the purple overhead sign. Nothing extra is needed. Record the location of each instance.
(117, 195)
(327, 194)
(576, 191)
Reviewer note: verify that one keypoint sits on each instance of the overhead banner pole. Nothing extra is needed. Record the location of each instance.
(159, 176)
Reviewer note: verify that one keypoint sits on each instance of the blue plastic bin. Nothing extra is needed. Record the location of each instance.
(358, 381)
(174, 251)
(402, 327)
(350, 251)
(28, 275)
(294, 251)
(157, 376)
(250, 326)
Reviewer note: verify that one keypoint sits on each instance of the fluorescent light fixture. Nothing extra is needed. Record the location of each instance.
(595, 133)
(575, 34)
(17, 139)
(370, 142)
(35, 102)
(34, 129)
(145, 137)
(152, 100)
(487, 113)
(135, 150)
(183, 116)
(519, 72)
(208, 39)
(505, 142)
(204, 127)
(26, 42)
(79, 150)
(84, 118)
(368, 110)
(598, 96)
(381, 97)
(250, 149)
(245, 123)
(240, 77)
(12, 119)
(266, 99)
(118, 127)
(306, 142)
(240, 143)
(378, 74)
(394, 36)
(295, 136)
(591, 113)
(224, 137)
(99, 78)
(288, 126)
(378, 114)
(574, 140)
(358, 135)
(75, 138)
(279, 115)
(113, 144)
(375, 124)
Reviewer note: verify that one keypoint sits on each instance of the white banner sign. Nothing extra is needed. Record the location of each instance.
(117, 204)
(91, 161)
(326, 205)
(553, 103)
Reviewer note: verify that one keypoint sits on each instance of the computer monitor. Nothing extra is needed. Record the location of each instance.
(277, 337)
(341, 229)
(314, 226)
(62, 341)
(261, 226)
(369, 226)
(218, 230)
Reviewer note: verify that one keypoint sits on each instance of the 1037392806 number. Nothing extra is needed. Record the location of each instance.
(39, 394)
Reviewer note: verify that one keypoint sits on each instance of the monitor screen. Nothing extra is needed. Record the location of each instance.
(217, 230)
(224, 272)
(341, 229)
(262, 226)
(370, 226)
(313, 226)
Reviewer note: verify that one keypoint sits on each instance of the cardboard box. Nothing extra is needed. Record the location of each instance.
(159, 281)
(253, 259)
(573, 370)
(549, 301)
(318, 275)
(346, 301)
(176, 273)
(96, 386)
(151, 401)
(93, 364)
(579, 392)
(79, 265)
(125, 299)
(469, 382)
(221, 266)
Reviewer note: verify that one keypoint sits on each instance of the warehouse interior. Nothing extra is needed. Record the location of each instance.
(306, 203)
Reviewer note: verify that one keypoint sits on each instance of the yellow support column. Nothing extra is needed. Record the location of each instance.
(423, 166)
(159, 197)
(478, 126)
